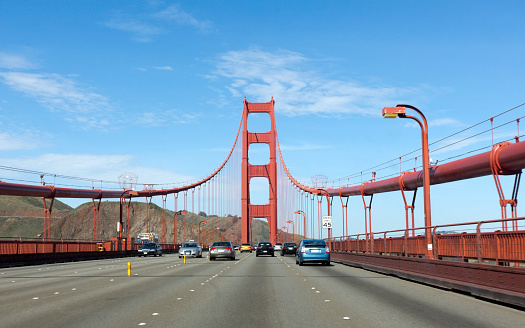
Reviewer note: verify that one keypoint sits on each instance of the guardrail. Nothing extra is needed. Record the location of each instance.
(19, 246)
(482, 242)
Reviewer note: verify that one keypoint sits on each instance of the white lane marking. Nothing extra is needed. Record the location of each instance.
(56, 293)
(142, 324)
(192, 290)
(73, 289)
(346, 318)
(155, 313)
(112, 280)
(313, 287)
(35, 298)
(327, 300)
(317, 291)
(179, 298)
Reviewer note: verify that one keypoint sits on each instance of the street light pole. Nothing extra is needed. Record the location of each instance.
(213, 233)
(400, 111)
(293, 229)
(199, 239)
(304, 217)
(286, 233)
(175, 225)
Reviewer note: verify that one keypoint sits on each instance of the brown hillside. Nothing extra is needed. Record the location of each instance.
(24, 217)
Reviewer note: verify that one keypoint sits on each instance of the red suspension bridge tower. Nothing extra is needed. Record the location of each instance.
(269, 171)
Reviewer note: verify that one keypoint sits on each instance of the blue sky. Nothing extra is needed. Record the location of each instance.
(95, 89)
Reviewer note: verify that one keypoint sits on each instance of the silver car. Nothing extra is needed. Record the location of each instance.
(222, 249)
(190, 249)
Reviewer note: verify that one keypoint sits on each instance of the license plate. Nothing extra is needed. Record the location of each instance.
(221, 250)
(316, 251)
(145, 252)
(265, 251)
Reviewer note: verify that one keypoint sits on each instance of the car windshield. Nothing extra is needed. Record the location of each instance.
(289, 244)
(190, 245)
(149, 245)
(265, 244)
(221, 243)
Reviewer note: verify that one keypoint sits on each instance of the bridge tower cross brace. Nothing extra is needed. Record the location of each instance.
(269, 171)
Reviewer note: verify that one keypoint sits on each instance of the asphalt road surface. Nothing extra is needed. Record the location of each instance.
(248, 292)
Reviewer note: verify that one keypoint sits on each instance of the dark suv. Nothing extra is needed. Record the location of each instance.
(264, 248)
(289, 248)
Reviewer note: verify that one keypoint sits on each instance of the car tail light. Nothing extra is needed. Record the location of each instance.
(259, 247)
(327, 250)
(213, 249)
(228, 249)
(270, 247)
(303, 249)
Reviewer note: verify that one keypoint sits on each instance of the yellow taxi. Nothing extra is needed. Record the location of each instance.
(246, 248)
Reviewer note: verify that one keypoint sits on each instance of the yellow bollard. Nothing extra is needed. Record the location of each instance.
(208, 255)
(184, 259)
(129, 269)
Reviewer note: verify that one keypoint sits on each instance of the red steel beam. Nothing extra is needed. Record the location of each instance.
(511, 159)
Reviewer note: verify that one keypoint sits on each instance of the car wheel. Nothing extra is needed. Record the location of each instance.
(233, 258)
(296, 262)
(301, 263)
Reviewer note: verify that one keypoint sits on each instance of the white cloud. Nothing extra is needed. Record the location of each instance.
(163, 118)
(445, 122)
(149, 24)
(304, 146)
(287, 77)
(11, 61)
(63, 94)
(163, 68)
(96, 167)
(142, 31)
(175, 14)
(14, 141)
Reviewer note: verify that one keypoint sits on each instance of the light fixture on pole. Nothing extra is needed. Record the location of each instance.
(304, 217)
(293, 230)
(400, 111)
(199, 239)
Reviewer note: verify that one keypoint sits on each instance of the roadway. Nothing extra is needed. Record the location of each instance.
(248, 292)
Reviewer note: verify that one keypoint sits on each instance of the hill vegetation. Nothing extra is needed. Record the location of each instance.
(24, 217)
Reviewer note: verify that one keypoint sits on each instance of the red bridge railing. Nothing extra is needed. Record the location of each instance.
(491, 247)
(18, 246)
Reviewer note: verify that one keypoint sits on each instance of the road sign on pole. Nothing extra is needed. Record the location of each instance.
(327, 222)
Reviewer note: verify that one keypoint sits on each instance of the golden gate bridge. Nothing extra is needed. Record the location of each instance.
(422, 253)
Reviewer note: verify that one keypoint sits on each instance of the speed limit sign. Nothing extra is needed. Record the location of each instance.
(327, 222)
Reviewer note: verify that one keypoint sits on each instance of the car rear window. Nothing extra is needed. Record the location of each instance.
(221, 243)
(315, 243)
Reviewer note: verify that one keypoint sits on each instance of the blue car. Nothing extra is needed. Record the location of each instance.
(312, 251)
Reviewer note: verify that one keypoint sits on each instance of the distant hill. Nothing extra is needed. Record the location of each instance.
(24, 217)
